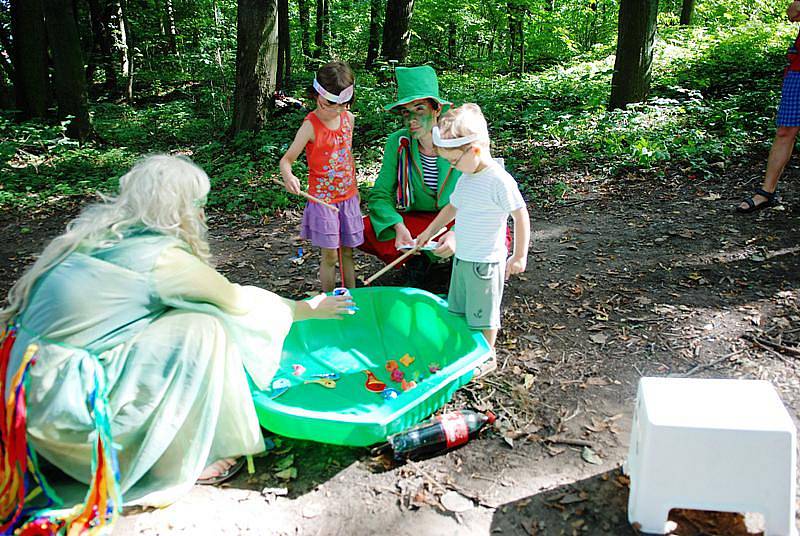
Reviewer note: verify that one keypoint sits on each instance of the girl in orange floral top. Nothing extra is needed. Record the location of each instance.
(327, 136)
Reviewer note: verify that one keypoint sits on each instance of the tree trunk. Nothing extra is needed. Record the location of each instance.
(320, 30)
(687, 10)
(512, 34)
(521, 36)
(374, 43)
(396, 34)
(451, 39)
(69, 76)
(256, 62)
(29, 56)
(6, 52)
(632, 67)
(284, 46)
(305, 35)
(328, 29)
(172, 31)
(123, 43)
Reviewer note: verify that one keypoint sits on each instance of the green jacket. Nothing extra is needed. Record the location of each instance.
(383, 210)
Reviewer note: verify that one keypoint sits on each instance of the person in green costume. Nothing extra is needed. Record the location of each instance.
(414, 183)
(127, 298)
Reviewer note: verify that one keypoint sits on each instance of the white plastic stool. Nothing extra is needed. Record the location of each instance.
(725, 445)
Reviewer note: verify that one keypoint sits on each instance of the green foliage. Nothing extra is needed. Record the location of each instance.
(714, 92)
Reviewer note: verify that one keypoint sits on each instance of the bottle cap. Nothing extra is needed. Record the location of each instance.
(491, 417)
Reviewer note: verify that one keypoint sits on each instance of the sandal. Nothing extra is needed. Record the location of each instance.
(229, 473)
(772, 200)
(487, 367)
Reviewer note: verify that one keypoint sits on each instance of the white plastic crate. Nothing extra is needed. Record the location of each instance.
(726, 445)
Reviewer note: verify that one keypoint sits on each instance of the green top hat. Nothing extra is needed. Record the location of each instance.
(415, 83)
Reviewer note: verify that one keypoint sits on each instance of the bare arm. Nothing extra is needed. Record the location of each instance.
(304, 135)
(522, 235)
(322, 306)
(445, 216)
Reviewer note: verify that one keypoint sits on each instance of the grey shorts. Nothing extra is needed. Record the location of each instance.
(476, 290)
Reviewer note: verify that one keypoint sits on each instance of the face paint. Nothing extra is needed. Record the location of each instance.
(419, 118)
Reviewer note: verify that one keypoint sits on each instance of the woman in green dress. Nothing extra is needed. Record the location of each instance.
(123, 334)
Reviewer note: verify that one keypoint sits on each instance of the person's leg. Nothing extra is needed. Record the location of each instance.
(779, 156)
(327, 268)
(348, 268)
(491, 336)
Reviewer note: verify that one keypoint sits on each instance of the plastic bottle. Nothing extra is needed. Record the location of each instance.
(442, 433)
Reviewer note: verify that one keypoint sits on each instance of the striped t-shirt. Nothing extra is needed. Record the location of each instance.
(483, 202)
(430, 171)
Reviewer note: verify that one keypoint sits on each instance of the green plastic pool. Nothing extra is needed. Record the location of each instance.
(390, 323)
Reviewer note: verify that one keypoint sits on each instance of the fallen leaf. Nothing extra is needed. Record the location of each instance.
(599, 338)
(285, 463)
(287, 474)
(529, 379)
(591, 456)
(455, 502)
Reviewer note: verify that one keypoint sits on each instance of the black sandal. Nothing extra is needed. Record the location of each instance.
(772, 201)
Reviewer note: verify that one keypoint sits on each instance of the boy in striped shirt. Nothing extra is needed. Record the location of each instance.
(480, 203)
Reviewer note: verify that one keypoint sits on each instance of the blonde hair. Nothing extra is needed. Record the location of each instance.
(162, 193)
(466, 120)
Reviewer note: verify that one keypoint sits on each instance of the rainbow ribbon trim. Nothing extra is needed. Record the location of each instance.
(405, 190)
(20, 477)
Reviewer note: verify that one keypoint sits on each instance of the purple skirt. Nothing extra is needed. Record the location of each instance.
(327, 229)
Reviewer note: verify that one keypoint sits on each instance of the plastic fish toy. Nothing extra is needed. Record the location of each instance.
(330, 384)
(279, 386)
(373, 384)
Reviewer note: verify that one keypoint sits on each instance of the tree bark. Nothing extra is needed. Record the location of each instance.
(396, 34)
(256, 62)
(305, 35)
(687, 10)
(451, 39)
(6, 52)
(327, 28)
(123, 43)
(69, 77)
(374, 42)
(29, 56)
(284, 69)
(172, 31)
(320, 30)
(632, 67)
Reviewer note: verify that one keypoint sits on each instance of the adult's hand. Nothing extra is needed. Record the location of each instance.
(402, 236)
(447, 245)
(323, 306)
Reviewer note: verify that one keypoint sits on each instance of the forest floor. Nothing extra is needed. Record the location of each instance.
(628, 277)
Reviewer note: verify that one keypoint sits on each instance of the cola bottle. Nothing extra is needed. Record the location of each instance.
(439, 434)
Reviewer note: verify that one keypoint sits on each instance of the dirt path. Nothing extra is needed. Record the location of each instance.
(637, 276)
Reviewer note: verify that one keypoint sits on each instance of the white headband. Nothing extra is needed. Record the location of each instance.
(452, 142)
(341, 98)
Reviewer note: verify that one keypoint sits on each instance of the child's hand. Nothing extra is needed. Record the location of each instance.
(447, 245)
(292, 184)
(423, 238)
(323, 306)
(515, 265)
